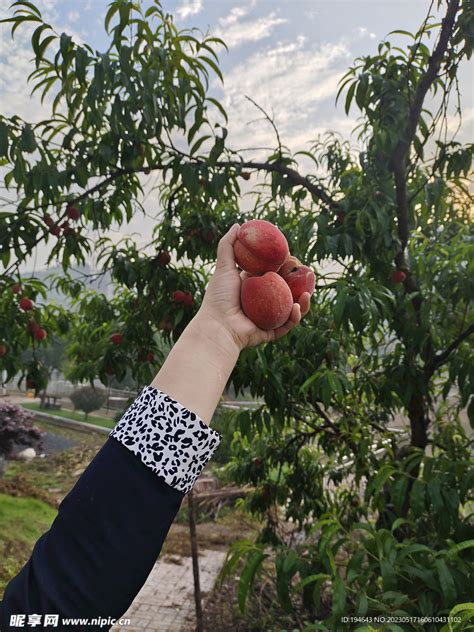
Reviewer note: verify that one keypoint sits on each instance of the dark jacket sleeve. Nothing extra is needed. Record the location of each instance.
(111, 526)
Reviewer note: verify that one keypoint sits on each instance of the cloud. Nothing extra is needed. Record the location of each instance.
(234, 32)
(73, 16)
(362, 31)
(237, 13)
(188, 8)
(290, 81)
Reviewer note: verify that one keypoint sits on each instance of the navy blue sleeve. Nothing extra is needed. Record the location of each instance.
(102, 545)
(111, 526)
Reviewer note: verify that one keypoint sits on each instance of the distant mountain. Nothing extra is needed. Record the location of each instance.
(86, 273)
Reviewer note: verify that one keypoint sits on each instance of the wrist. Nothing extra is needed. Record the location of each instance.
(217, 334)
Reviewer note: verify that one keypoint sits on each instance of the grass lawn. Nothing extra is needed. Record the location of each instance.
(22, 521)
(72, 414)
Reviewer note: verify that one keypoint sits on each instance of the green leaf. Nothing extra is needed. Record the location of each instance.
(397, 492)
(27, 141)
(247, 576)
(462, 546)
(464, 611)
(24, 3)
(218, 106)
(110, 14)
(198, 144)
(470, 412)
(434, 490)
(349, 97)
(417, 497)
(81, 59)
(362, 605)
(310, 580)
(446, 581)
(339, 598)
(380, 479)
(4, 135)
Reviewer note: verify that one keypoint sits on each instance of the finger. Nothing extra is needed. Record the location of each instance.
(305, 303)
(292, 321)
(225, 250)
(245, 275)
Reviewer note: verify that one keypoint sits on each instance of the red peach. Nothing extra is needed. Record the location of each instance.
(3, 350)
(301, 279)
(40, 334)
(290, 265)
(16, 288)
(55, 230)
(73, 213)
(398, 276)
(116, 338)
(149, 357)
(266, 300)
(48, 220)
(260, 247)
(32, 326)
(163, 258)
(179, 296)
(188, 298)
(25, 304)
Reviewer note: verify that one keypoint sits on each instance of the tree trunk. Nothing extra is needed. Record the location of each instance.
(419, 421)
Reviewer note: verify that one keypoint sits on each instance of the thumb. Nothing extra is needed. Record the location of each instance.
(225, 250)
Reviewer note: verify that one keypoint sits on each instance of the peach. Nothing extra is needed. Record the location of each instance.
(299, 278)
(266, 300)
(260, 247)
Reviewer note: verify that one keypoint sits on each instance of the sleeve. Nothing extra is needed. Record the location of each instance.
(111, 526)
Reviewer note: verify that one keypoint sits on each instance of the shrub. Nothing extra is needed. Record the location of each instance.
(87, 399)
(16, 428)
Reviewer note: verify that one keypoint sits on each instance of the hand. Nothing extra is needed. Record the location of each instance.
(221, 302)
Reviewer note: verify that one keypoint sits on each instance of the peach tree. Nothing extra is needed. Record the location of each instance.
(383, 518)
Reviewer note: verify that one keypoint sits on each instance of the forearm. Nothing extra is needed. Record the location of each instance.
(198, 367)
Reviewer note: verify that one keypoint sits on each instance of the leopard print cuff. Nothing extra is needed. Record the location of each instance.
(168, 438)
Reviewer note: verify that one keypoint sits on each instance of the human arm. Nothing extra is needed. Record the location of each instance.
(110, 528)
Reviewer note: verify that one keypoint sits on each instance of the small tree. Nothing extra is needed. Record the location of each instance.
(16, 428)
(87, 399)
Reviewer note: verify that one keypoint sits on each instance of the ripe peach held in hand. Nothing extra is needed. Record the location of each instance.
(266, 300)
(260, 247)
(299, 278)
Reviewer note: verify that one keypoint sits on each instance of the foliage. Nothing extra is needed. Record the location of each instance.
(365, 501)
(16, 429)
(87, 399)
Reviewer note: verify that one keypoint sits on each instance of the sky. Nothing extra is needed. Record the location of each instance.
(287, 55)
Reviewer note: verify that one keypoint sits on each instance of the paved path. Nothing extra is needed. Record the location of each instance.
(166, 601)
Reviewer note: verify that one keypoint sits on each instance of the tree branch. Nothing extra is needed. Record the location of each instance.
(440, 358)
(403, 145)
